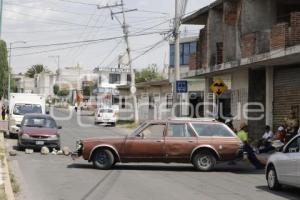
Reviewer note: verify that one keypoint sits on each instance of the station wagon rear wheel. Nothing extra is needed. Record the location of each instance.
(103, 159)
(204, 161)
(272, 179)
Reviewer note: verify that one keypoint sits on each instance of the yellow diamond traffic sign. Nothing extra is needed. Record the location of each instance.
(218, 87)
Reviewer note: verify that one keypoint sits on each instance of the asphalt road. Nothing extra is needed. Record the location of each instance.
(59, 178)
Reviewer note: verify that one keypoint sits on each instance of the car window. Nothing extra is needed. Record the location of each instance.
(106, 111)
(39, 122)
(219, 130)
(179, 130)
(22, 109)
(153, 130)
(294, 146)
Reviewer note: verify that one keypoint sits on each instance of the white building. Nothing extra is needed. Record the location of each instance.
(44, 83)
(24, 84)
(108, 80)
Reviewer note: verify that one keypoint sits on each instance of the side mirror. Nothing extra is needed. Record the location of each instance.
(59, 127)
(19, 125)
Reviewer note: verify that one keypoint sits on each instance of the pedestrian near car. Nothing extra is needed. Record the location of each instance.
(243, 135)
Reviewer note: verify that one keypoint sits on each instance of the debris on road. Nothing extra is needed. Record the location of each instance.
(54, 152)
(28, 151)
(45, 151)
(12, 153)
(66, 151)
(60, 152)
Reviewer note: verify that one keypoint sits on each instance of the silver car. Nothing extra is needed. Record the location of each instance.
(283, 168)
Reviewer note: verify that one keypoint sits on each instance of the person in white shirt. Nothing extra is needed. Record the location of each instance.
(265, 144)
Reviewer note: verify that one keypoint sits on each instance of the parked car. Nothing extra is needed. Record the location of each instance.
(283, 167)
(106, 115)
(37, 130)
(200, 142)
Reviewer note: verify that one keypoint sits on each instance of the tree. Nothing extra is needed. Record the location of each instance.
(63, 93)
(148, 74)
(4, 69)
(55, 89)
(36, 69)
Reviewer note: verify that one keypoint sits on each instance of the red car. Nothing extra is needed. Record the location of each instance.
(200, 142)
(37, 130)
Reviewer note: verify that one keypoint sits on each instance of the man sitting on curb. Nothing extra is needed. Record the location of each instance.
(243, 135)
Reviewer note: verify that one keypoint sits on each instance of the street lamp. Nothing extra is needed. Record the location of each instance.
(9, 63)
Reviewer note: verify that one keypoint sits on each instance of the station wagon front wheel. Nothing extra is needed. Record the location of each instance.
(103, 159)
(204, 161)
(272, 179)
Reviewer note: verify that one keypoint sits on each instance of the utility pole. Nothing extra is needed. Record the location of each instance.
(132, 86)
(1, 17)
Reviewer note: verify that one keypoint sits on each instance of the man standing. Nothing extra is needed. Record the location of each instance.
(243, 135)
(3, 112)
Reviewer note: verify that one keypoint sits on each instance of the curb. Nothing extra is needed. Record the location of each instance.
(7, 184)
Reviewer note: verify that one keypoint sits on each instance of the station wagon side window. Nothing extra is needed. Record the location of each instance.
(294, 146)
(153, 131)
(210, 130)
(179, 130)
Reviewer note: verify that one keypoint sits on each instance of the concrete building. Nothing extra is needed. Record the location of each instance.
(256, 45)
(44, 83)
(154, 100)
(108, 79)
(23, 84)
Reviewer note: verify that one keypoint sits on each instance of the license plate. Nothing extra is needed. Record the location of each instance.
(39, 142)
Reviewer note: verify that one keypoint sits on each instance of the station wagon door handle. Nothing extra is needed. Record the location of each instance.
(190, 141)
(159, 140)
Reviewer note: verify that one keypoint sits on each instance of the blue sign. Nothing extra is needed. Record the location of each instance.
(181, 86)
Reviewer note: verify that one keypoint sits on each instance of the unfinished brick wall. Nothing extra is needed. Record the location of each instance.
(193, 61)
(230, 14)
(203, 61)
(248, 45)
(295, 28)
(280, 36)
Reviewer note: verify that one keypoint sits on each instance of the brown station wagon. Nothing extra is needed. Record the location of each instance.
(201, 142)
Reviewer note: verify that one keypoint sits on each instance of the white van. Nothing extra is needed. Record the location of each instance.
(21, 104)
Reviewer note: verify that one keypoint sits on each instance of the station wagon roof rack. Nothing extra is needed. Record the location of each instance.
(192, 119)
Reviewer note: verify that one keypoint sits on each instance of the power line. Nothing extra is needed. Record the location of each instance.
(108, 55)
(77, 2)
(84, 41)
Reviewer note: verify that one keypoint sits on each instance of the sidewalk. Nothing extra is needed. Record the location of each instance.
(5, 184)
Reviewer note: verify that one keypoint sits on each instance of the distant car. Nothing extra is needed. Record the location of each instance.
(106, 115)
(283, 168)
(38, 131)
(200, 142)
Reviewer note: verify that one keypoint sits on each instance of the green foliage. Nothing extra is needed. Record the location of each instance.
(63, 93)
(55, 89)
(87, 90)
(148, 74)
(4, 69)
(36, 69)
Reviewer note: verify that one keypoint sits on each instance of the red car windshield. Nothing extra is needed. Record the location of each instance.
(39, 122)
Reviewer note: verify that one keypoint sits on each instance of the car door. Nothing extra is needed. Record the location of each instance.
(180, 141)
(288, 165)
(148, 145)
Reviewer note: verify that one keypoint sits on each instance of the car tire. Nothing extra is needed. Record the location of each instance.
(103, 159)
(204, 161)
(272, 179)
(113, 124)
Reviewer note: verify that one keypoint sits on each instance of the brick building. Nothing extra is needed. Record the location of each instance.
(255, 44)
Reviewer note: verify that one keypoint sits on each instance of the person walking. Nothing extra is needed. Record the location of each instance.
(243, 135)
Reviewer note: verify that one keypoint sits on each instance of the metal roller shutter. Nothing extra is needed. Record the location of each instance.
(286, 92)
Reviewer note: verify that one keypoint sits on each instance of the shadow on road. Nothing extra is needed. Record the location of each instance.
(286, 192)
(174, 168)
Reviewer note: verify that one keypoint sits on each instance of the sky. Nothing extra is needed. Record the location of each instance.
(44, 23)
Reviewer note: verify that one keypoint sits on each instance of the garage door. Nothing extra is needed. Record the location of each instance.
(286, 92)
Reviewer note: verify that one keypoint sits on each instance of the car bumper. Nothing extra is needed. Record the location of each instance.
(105, 120)
(14, 130)
(35, 143)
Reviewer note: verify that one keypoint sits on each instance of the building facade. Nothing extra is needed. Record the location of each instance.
(256, 45)
(23, 84)
(108, 79)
